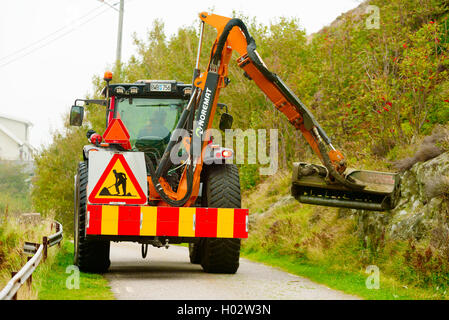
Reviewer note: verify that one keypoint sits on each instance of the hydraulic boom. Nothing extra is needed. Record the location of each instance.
(331, 184)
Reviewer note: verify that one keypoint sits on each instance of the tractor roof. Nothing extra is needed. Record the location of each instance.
(150, 89)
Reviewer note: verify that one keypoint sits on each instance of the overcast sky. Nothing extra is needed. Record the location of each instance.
(51, 49)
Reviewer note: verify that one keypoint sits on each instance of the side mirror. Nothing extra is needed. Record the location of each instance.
(225, 121)
(76, 116)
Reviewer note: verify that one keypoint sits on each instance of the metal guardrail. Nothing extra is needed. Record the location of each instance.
(11, 288)
(57, 237)
(39, 251)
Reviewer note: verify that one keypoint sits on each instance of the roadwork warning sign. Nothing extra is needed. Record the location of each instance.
(117, 183)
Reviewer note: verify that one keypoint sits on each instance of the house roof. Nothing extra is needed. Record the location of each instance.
(17, 119)
(13, 137)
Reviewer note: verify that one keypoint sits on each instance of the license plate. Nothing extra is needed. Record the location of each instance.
(160, 87)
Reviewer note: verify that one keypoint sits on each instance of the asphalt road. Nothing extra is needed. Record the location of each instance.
(167, 274)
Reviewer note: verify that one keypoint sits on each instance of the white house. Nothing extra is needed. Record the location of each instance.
(14, 139)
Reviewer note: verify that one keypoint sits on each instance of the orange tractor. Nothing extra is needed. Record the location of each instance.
(155, 176)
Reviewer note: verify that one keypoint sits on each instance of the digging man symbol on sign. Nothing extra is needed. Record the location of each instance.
(120, 180)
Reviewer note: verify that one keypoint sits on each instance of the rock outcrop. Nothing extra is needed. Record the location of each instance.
(422, 212)
(423, 205)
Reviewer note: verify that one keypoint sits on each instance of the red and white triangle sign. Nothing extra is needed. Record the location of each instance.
(117, 184)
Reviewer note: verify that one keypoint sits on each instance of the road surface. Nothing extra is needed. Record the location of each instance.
(168, 275)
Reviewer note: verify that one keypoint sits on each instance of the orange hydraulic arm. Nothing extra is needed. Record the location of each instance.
(237, 38)
(232, 34)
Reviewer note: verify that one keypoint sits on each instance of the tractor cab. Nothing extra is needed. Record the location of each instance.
(149, 110)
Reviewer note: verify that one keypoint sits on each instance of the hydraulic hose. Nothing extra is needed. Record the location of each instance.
(185, 121)
(224, 36)
(182, 122)
(328, 164)
(160, 190)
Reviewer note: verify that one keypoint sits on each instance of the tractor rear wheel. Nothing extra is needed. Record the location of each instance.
(195, 252)
(221, 190)
(89, 255)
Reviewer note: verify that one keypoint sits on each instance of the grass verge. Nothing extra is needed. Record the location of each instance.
(53, 280)
(14, 231)
(333, 247)
(347, 282)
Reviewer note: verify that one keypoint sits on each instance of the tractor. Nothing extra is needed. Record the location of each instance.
(156, 176)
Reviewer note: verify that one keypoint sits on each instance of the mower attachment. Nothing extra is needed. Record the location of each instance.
(312, 184)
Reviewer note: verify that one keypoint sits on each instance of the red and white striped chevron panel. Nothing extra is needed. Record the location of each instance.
(166, 221)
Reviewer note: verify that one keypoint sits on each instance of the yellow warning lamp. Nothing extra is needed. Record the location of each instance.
(107, 76)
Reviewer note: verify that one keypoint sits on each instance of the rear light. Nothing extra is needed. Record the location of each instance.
(226, 153)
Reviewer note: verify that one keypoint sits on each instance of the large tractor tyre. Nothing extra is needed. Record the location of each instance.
(195, 250)
(89, 255)
(222, 190)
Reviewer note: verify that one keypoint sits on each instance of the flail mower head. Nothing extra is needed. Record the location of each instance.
(312, 184)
